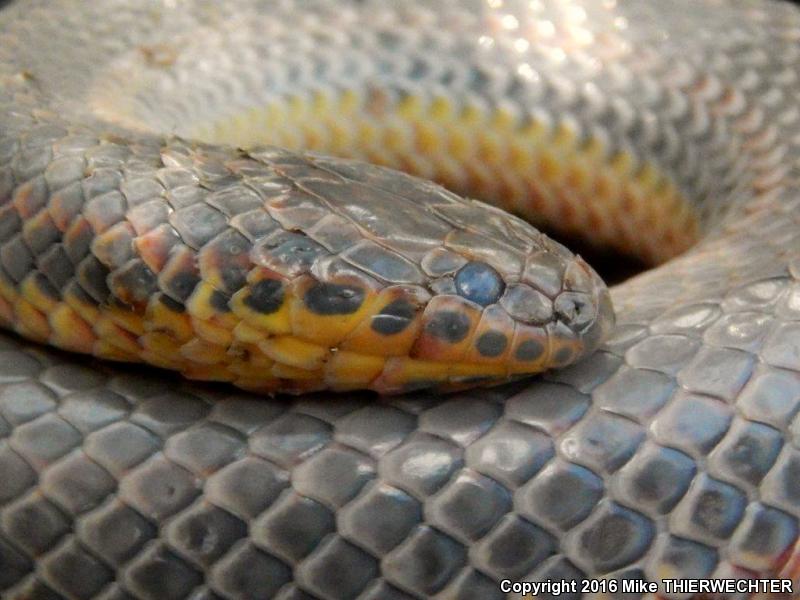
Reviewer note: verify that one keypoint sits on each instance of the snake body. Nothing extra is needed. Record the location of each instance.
(141, 217)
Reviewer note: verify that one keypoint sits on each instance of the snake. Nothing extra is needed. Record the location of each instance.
(261, 199)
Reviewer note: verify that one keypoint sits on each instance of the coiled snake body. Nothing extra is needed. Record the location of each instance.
(142, 218)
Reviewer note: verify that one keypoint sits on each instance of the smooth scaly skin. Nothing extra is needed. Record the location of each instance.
(670, 452)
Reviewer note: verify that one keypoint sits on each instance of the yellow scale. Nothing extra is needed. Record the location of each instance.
(545, 173)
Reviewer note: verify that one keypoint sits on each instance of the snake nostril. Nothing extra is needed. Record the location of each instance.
(575, 309)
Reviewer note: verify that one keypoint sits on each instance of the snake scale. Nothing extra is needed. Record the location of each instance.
(143, 216)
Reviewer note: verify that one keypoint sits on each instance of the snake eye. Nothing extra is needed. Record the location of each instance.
(480, 283)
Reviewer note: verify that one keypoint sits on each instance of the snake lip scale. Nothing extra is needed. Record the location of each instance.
(169, 196)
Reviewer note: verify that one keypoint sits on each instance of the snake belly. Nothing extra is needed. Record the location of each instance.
(659, 128)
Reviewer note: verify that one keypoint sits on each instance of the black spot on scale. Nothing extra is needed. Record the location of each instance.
(419, 384)
(114, 302)
(529, 350)
(134, 283)
(394, 317)
(476, 380)
(219, 301)
(333, 299)
(92, 277)
(491, 344)
(180, 285)
(563, 355)
(265, 296)
(171, 304)
(45, 287)
(75, 291)
(448, 325)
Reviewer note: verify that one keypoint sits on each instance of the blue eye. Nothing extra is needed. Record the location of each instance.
(480, 283)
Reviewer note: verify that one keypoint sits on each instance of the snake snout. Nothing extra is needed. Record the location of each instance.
(561, 308)
(487, 322)
(584, 307)
(589, 316)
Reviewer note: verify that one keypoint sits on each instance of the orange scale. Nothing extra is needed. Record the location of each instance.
(542, 202)
(109, 351)
(202, 352)
(159, 317)
(394, 324)
(114, 335)
(245, 334)
(209, 304)
(490, 148)
(26, 198)
(161, 350)
(578, 177)
(181, 264)
(70, 331)
(289, 350)
(276, 322)
(225, 254)
(648, 177)
(63, 208)
(492, 341)
(349, 368)
(448, 328)
(162, 362)
(252, 365)
(530, 350)
(400, 373)
(550, 167)
(161, 344)
(279, 322)
(623, 165)
(516, 190)
(240, 368)
(108, 247)
(36, 225)
(212, 333)
(33, 293)
(154, 246)
(427, 138)
(6, 312)
(283, 371)
(88, 311)
(465, 371)
(30, 321)
(563, 349)
(79, 229)
(459, 144)
(200, 304)
(128, 320)
(208, 372)
(325, 312)
(8, 290)
(482, 178)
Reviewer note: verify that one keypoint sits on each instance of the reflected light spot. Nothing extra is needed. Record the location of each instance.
(510, 22)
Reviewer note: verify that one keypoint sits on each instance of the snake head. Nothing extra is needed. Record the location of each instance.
(443, 291)
(494, 324)
(350, 276)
